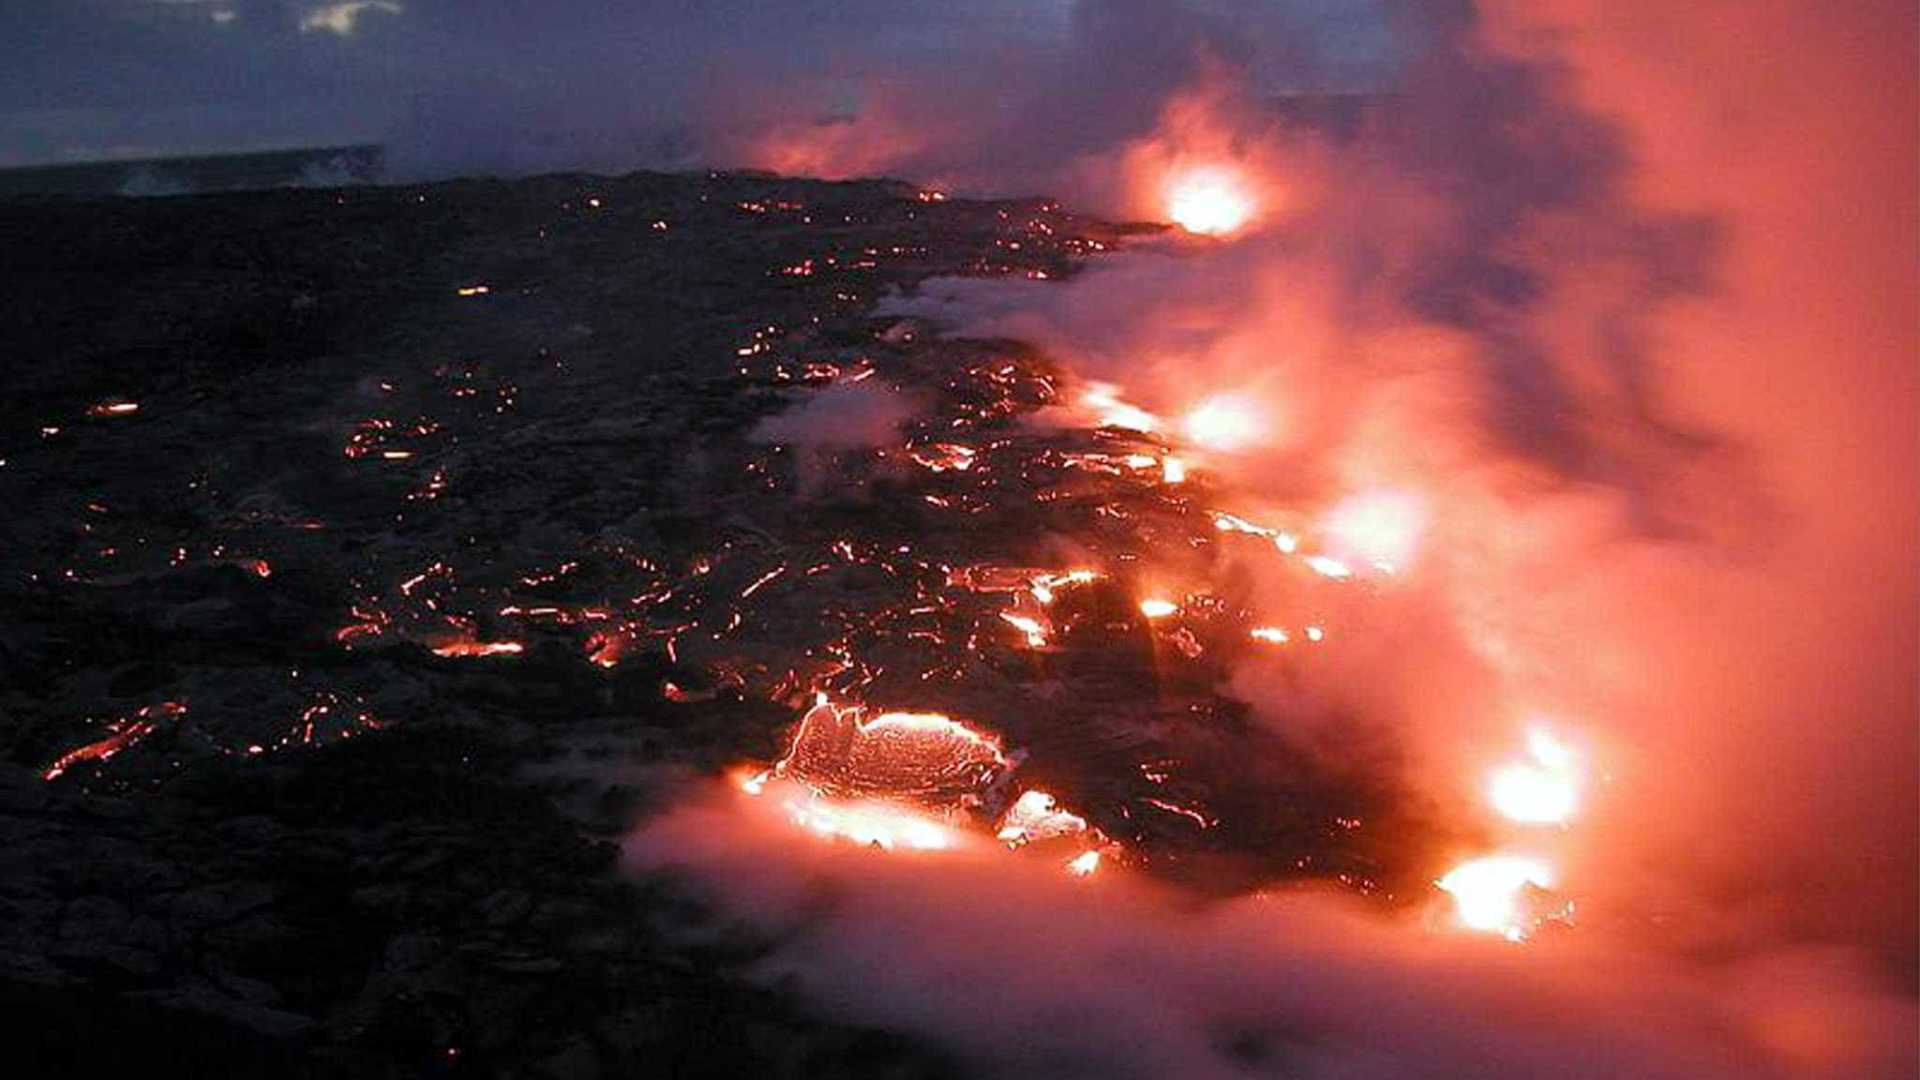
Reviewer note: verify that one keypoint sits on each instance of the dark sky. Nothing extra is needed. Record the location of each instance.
(87, 79)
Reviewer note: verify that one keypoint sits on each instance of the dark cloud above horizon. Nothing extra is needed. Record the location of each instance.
(495, 85)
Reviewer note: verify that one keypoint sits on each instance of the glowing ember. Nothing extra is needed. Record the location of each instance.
(113, 408)
(1032, 628)
(124, 733)
(1045, 586)
(1211, 201)
(1158, 609)
(1286, 542)
(1172, 470)
(605, 649)
(1326, 567)
(1034, 817)
(942, 457)
(1382, 528)
(1232, 523)
(1543, 790)
(1270, 634)
(479, 648)
(680, 695)
(1492, 894)
(1104, 399)
(1084, 864)
(1226, 422)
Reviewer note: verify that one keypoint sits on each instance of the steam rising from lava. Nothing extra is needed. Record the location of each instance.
(1511, 337)
(1511, 360)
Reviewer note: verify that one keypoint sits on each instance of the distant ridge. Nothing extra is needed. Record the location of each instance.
(313, 167)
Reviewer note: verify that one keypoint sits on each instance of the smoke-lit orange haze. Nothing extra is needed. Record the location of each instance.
(1697, 543)
(1787, 744)
(1623, 298)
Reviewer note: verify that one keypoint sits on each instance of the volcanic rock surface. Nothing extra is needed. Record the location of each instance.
(373, 558)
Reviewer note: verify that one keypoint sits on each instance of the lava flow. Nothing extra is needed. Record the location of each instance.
(910, 781)
(1026, 635)
(1508, 893)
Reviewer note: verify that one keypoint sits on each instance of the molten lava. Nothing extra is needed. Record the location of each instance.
(1035, 631)
(1035, 817)
(1225, 422)
(872, 822)
(1505, 894)
(1330, 568)
(907, 781)
(926, 757)
(1543, 790)
(1210, 201)
(1104, 400)
(123, 733)
(479, 648)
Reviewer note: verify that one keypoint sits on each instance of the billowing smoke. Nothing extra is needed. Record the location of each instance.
(987, 96)
(1599, 331)
(1608, 385)
(1026, 972)
(821, 427)
(861, 414)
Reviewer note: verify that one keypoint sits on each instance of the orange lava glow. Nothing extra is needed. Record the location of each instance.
(1104, 400)
(124, 733)
(1381, 528)
(885, 825)
(837, 750)
(1490, 893)
(1211, 200)
(1225, 422)
(1329, 567)
(942, 457)
(1543, 790)
(879, 823)
(605, 649)
(1035, 631)
(1046, 586)
(479, 648)
(1035, 816)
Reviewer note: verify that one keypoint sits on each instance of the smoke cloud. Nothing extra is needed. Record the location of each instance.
(1026, 972)
(1524, 303)
(1616, 303)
